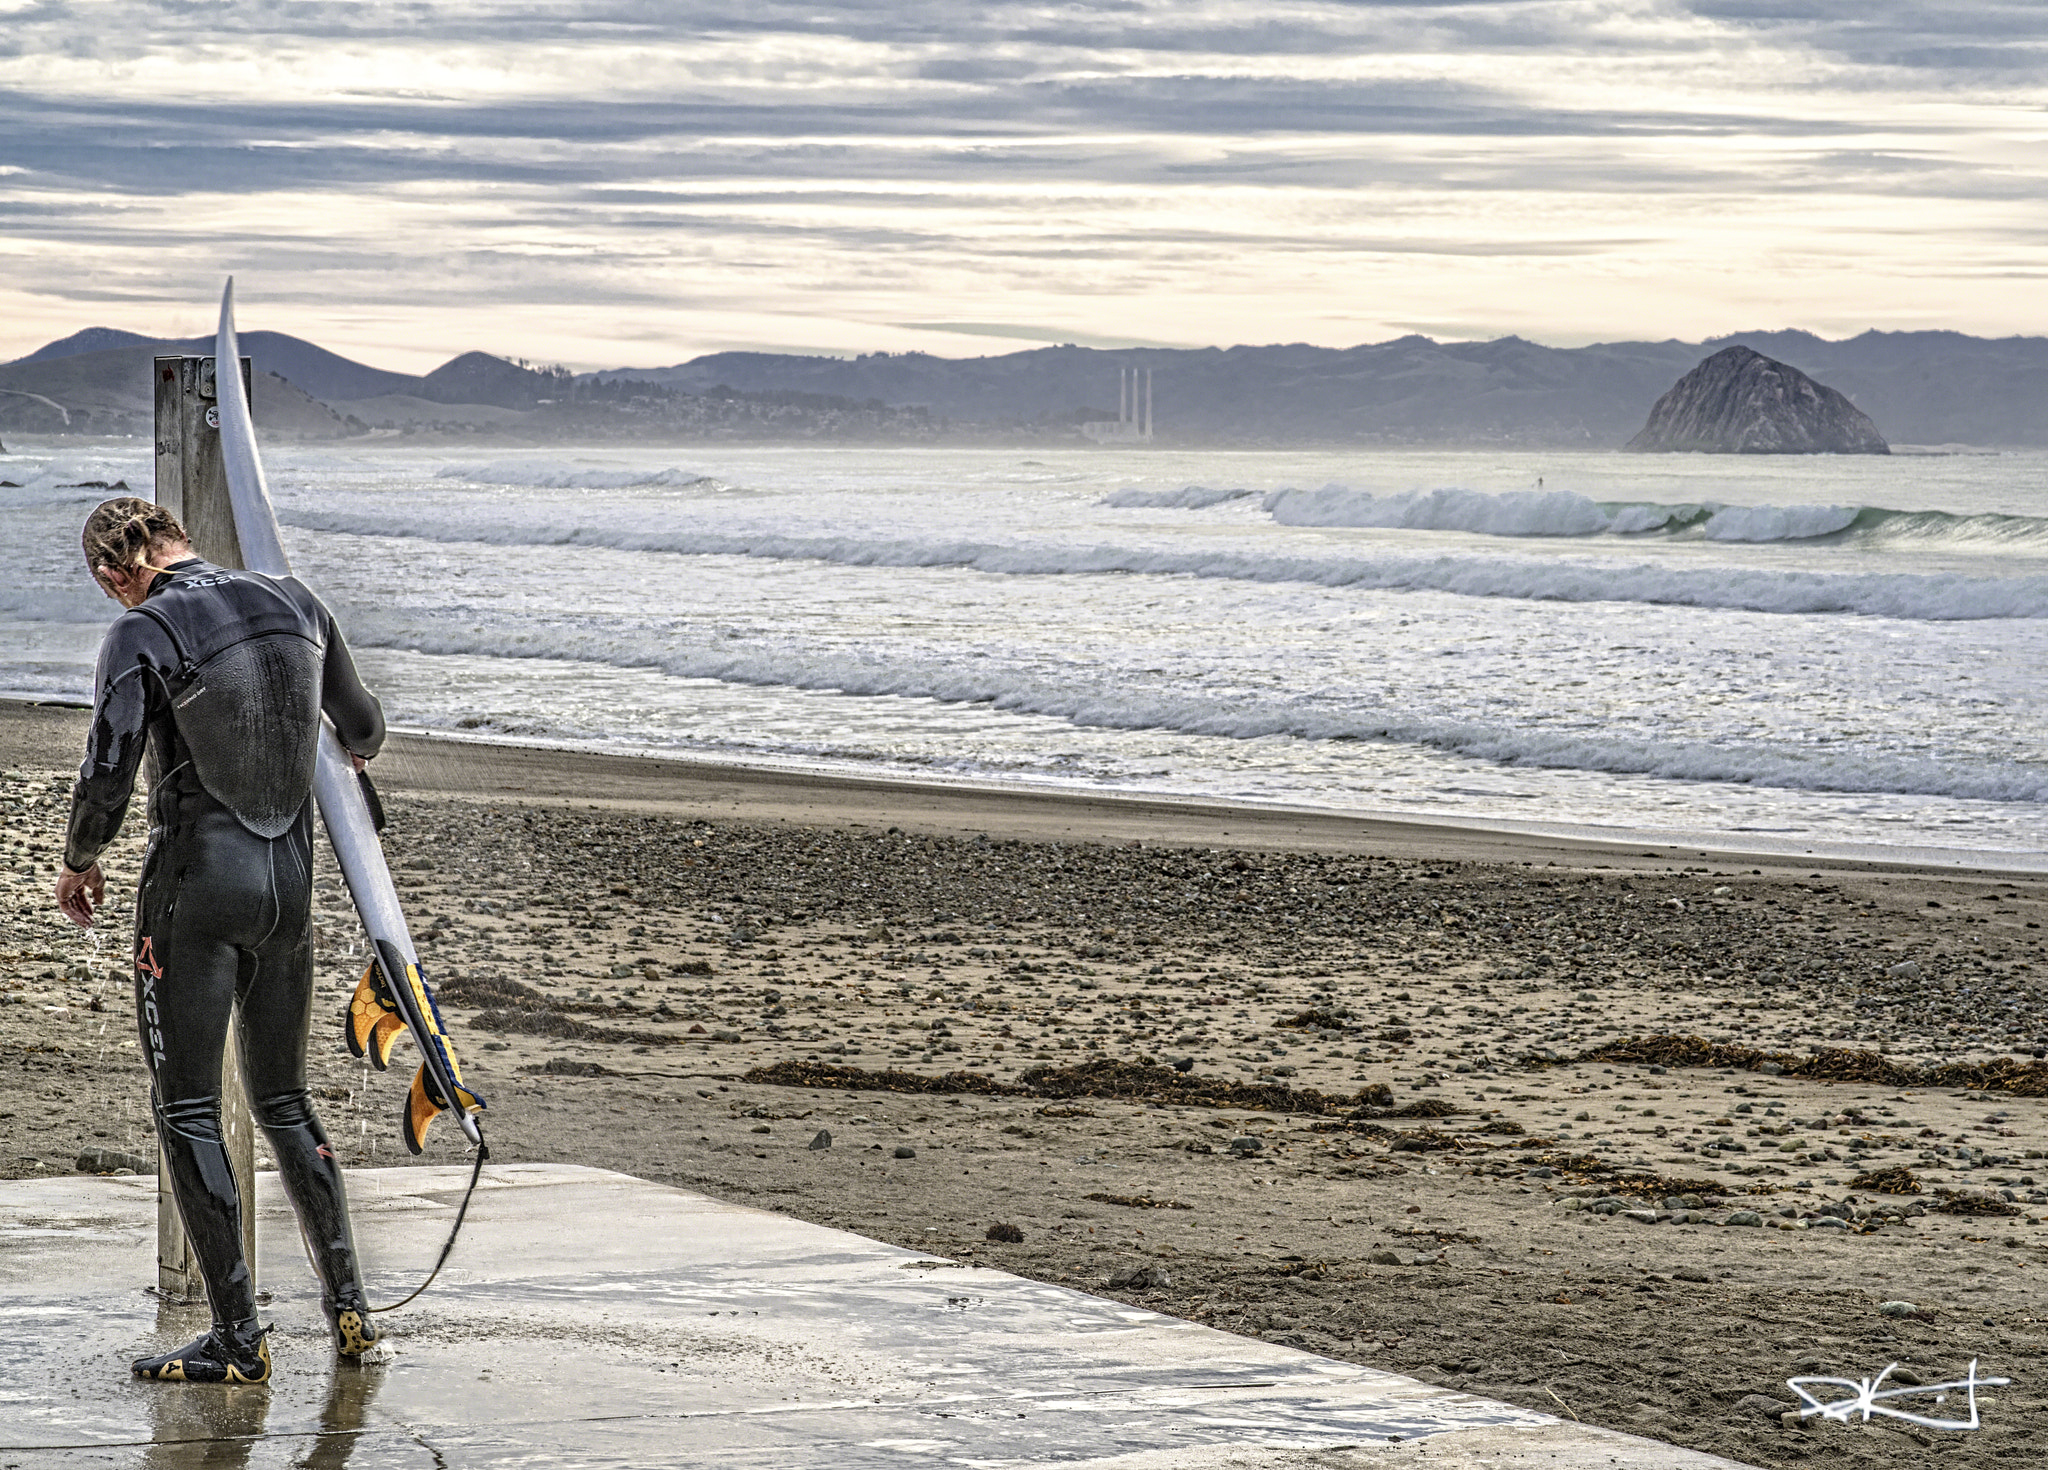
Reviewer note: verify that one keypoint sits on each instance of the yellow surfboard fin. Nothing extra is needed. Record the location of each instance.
(420, 1110)
(373, 1025)
(422, 1107)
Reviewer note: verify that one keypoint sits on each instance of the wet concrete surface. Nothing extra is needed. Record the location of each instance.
(592, 1319)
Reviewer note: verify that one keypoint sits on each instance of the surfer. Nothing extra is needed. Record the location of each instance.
(219, 678)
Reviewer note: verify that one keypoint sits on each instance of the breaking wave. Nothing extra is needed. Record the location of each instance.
(1919, 596)
(1567, 513)
(1188, 497)
(546, 474)
(1118, 702)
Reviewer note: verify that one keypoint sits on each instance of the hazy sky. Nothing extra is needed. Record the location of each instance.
(610, 182)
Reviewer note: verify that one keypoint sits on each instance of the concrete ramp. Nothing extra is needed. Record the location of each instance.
(591, 1319)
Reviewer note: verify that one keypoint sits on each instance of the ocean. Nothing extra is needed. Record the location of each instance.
(1824, 654)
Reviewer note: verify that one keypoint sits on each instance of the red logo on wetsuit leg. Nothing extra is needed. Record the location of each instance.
(145, 958)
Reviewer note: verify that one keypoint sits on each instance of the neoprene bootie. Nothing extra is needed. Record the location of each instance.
(354, 1332)
(237, 1354)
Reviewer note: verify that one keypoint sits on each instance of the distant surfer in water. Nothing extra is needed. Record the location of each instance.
(219, 679)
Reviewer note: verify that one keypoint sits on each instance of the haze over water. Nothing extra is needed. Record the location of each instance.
(1788, 653)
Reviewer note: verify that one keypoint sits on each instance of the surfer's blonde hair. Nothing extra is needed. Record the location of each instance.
(122, 533)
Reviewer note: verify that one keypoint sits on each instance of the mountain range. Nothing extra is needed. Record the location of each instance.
(1919, 387)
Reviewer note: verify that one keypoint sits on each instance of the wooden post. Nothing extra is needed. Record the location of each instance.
(192, 483)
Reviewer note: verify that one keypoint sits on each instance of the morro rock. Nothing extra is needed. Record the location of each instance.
(1740, 402)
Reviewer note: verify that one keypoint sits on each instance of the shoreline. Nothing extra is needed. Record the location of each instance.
(423, 763)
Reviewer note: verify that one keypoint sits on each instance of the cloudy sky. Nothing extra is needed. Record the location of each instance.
(608, 182)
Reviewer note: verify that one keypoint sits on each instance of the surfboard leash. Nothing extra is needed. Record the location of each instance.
(483, 1155)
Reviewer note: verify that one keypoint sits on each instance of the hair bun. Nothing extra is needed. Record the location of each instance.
(119, 533)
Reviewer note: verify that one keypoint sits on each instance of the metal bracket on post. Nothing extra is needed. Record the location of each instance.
(192, 483)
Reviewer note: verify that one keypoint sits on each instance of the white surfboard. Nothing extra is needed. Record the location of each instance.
(392, 997)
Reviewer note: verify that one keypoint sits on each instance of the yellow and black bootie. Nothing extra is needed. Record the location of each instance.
(354, 1332)
(237, 1354)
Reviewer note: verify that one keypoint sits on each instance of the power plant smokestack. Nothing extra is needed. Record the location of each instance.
(1133, 411)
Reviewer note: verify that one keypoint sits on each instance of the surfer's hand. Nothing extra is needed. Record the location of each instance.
(78, 894)
(357, 761)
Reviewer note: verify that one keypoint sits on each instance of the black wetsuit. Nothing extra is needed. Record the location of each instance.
(220, 679)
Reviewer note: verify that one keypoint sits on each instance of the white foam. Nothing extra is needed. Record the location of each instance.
(1462, 652)
(1551, 513)
(1635, 520)
(546, 474)
(72, 479)
(1515, 513)
(1926, 596)
(1188, 497)
(1120, 703)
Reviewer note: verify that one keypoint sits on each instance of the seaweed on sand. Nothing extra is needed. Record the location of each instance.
(1822, 1064)
(1132, 1081)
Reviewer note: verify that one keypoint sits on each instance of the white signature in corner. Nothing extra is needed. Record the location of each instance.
(1865, 1398)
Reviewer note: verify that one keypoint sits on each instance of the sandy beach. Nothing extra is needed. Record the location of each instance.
(1628, 1134)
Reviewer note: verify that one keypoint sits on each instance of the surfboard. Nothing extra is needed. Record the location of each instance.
(392, 998)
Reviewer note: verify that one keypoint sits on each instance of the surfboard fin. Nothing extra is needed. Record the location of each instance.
(438, 1085)
(422, 1106)
(373, 1023)
(420, 1110)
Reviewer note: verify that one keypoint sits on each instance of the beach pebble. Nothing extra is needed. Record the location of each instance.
(905, 1151)
(1828, 1222)
(1642, 1217)
(107, 1160)
(1383, 1258)
(1745, 1217)
(821, 1139)
(725, 1036)
(1763, 1406)
(1246, 1144)
(1905, 970)
(1897, 1309)
(1005, 1234)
